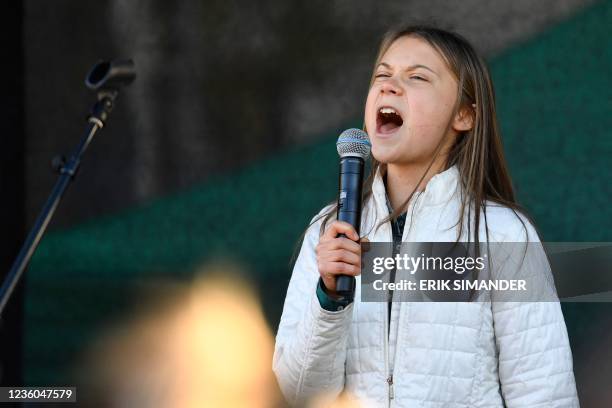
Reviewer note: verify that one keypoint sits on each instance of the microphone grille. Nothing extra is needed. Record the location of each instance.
(354, 142)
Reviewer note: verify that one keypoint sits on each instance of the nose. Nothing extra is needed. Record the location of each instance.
(391, 87)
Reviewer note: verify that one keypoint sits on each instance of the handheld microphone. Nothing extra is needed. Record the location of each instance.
(354, 148)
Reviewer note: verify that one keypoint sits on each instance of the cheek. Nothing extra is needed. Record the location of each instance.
(424, 109)
(370, 114)
(436, 108)
(429, 118)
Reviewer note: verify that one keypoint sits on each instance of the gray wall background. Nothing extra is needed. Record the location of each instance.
(220, 83)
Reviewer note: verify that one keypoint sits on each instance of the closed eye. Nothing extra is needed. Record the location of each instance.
(416, 77)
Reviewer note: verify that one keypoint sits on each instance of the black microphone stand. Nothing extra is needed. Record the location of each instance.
(106, 78)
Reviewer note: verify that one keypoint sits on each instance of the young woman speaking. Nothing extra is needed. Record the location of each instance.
(438, 175)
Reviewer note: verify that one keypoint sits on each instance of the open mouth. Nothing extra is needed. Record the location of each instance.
(388, 120)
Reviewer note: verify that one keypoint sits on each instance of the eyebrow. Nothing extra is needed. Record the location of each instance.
(410, 68)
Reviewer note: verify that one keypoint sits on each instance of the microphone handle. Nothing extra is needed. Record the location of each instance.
(349, 210)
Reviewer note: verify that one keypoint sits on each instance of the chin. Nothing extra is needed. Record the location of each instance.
(384, 156)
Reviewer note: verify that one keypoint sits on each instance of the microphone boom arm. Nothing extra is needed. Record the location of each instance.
(107, 78)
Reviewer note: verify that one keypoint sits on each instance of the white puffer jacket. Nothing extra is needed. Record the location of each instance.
(459, 354)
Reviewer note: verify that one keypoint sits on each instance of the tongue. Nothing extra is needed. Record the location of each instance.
(388, 127)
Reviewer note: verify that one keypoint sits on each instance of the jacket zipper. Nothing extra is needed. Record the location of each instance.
(390, 382)
(388, 334)
(388, 319)
(386, 343)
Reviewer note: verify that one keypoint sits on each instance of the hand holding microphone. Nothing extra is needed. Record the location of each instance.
(338, 252)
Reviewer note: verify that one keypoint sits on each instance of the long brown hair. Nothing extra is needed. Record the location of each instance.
(477, 153)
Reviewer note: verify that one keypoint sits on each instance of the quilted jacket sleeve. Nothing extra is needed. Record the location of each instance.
(535, 359)
(310, 349)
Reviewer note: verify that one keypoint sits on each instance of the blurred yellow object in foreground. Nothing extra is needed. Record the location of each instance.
(207, 346)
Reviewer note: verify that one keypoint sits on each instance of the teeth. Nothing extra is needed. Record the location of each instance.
(387, 110)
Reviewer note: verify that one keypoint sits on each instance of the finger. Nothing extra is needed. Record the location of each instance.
(341, 227)
(342, 255)
(341, 268)
(328, 269)
(340, 243)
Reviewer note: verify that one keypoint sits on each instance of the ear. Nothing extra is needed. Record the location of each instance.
(464, 119)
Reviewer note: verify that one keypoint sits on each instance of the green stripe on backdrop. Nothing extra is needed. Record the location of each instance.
(554, 105)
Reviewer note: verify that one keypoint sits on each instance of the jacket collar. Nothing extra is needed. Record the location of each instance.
(439, 189)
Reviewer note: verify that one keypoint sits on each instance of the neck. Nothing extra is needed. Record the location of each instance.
(403, 179)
